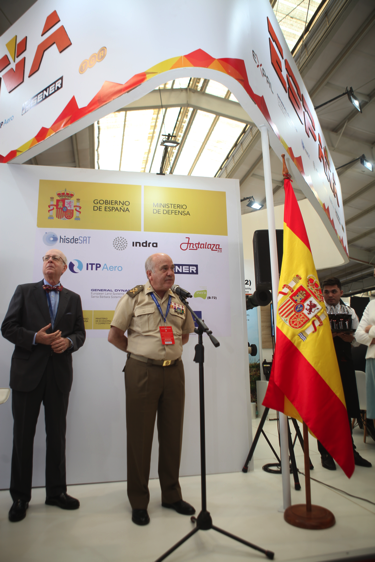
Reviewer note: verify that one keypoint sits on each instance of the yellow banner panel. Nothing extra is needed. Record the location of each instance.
(87, 319)
(103, 319)
(169, 209)
(88, 205)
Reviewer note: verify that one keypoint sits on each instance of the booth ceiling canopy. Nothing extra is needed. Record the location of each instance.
(104, 99)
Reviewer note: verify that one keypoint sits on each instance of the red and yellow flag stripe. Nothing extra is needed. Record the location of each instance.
(305, 381)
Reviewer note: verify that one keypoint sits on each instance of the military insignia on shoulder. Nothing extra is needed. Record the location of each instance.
(134, 292)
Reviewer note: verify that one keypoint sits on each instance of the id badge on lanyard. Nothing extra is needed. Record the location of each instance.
(166, 332)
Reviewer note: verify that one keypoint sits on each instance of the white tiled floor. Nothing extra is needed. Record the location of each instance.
(247, 505)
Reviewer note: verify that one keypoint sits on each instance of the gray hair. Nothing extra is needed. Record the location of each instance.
(149, 265)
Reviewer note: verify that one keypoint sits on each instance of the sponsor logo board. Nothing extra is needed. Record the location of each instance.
(185, 269)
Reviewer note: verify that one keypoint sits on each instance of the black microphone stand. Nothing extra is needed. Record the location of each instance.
(204, 520)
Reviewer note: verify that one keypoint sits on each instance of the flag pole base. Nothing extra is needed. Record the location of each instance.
(318, 518)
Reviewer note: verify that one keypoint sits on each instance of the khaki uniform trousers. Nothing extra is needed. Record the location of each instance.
(152, 389)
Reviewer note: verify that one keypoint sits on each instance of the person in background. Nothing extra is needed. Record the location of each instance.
(365, 334)
(45, 322)
(343, 341)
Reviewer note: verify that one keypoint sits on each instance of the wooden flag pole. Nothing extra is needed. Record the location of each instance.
(307, 516)
(307, 466)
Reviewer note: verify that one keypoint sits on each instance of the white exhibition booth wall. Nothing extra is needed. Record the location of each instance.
(66, 64)
(212, 270)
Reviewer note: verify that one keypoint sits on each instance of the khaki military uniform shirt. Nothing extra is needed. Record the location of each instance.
(140, 317)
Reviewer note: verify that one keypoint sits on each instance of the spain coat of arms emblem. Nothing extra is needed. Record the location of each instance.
(64, 206)
(301, 305)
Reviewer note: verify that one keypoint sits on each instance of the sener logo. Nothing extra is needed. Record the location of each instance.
(187, 269)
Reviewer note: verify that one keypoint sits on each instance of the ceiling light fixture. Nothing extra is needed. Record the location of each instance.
(252, 203)
(352, 98)
(363, 160)
(168, 142)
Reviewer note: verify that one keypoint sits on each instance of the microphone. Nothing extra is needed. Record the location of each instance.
(181, 292)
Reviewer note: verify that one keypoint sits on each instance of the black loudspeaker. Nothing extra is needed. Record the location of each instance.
(262, 264)
(359, 304)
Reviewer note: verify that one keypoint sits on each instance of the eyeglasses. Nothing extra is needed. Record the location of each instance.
(54, 258)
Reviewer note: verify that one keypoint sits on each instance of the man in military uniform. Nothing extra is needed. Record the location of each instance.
(343, 341)
(158, 325)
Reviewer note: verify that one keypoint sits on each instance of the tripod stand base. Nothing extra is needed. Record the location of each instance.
(204, 523)
(318, 518)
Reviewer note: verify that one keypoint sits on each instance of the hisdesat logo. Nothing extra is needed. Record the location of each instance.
(50, 238)
(75, 266)
(75, 239)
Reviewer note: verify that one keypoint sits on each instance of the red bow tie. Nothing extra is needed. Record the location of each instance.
(56, 288)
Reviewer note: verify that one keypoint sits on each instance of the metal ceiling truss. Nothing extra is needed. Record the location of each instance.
(340, 59)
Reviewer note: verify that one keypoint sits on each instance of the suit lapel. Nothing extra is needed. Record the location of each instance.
(41, 301)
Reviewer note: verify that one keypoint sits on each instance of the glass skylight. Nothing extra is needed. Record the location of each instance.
(130, 140)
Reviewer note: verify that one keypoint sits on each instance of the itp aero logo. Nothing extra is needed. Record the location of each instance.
(75, 266)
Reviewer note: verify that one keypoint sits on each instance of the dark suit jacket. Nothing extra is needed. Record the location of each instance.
(27, 313)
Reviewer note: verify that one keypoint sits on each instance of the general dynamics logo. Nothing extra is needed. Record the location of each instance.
(75, 266)
(50, 238)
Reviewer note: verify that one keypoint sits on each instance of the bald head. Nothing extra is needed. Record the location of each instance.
(54, 265)
(160, 272)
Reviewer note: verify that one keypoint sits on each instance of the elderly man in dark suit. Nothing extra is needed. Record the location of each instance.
(45, 322)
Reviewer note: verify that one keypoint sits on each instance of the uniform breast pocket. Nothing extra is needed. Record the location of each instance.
(144, 319)
(177, 319)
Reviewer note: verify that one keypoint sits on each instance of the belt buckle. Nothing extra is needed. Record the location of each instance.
(167, 362)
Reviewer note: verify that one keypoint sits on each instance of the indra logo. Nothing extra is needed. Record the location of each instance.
(145, 244)
(50, 238)
(75, 266)
(120, 243)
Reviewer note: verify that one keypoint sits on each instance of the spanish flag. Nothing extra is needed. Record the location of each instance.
(305, 381)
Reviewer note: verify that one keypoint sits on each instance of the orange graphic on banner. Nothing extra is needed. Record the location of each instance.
(199, 59)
